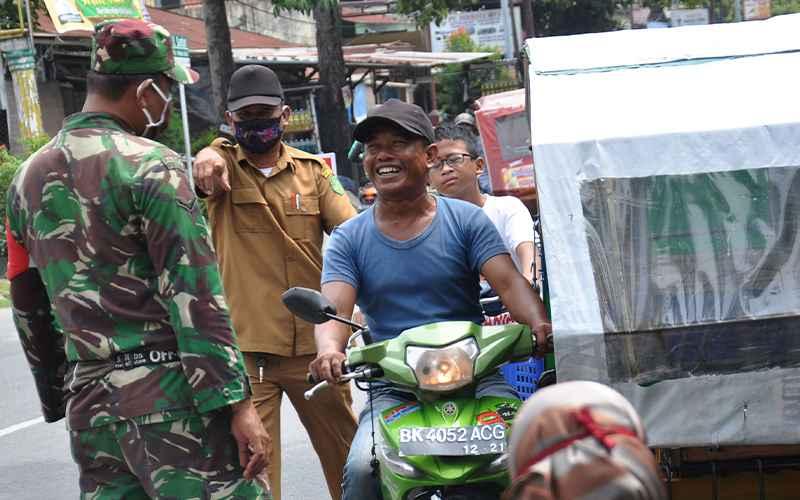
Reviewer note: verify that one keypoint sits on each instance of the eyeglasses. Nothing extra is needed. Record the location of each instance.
(452, 161)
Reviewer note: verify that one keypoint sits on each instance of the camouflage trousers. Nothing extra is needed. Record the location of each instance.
(195, 457)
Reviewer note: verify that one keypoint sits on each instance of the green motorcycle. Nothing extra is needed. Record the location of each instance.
(447, 444)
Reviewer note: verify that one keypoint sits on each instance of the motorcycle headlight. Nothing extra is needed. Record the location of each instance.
(443, 368)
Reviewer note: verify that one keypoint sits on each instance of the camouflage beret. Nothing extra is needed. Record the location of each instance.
(135, 47)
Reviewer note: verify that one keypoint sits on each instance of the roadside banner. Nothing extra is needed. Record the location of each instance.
(82, 15)
(757, 9)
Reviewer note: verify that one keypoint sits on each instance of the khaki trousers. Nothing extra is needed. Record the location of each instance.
(328, 418)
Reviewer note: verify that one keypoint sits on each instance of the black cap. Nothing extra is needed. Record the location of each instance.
(254, 84)
(409, 117)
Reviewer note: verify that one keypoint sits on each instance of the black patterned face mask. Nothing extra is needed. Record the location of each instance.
(259, 135)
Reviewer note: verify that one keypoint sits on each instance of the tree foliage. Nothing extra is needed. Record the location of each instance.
(785, 7)
(9, 164)
(8, 167)
(568, 17)
(9, 13)
(304, 6)
(426, 11)
(552, 17)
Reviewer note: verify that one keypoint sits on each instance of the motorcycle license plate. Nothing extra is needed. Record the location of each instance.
(453, 441)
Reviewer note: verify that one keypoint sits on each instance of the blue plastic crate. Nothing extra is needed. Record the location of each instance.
(522, 376)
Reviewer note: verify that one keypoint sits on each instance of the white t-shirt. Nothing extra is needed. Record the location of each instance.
(512, 220)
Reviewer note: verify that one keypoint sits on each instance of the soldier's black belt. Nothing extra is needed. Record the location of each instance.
(142, 357)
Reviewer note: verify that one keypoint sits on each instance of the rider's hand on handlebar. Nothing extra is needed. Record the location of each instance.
(327, 366)
(543, 333)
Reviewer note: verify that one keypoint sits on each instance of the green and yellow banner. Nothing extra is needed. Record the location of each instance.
(72, 15)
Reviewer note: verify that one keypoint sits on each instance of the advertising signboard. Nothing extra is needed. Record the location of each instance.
(485, 27)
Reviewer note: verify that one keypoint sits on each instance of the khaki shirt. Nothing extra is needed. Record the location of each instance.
(268, 235)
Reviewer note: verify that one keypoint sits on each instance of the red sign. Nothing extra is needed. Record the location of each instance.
(506, 138)
(490, 418)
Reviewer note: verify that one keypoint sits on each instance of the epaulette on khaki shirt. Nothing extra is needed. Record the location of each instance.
(267, 231)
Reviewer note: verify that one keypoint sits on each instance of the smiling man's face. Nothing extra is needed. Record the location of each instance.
(397, 163)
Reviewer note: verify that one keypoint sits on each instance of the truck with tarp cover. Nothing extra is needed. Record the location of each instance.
(667, 166)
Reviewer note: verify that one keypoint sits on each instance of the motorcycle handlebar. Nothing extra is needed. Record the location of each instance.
(548, 347)
(310, 379)
(365, 373)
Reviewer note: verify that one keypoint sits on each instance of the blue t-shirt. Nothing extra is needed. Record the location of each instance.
(432, 277)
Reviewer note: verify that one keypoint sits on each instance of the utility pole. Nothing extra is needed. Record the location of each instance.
(30, 25)
(528, 26)
(514, 34)
(508, 25)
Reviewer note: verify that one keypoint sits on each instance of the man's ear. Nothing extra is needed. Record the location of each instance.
(431, 154)
(479, 165)
(285, 114)
(229, 118)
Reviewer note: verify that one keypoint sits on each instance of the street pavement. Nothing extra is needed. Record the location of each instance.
(35, 461)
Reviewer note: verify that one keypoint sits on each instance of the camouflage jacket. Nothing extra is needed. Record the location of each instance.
(123, 251)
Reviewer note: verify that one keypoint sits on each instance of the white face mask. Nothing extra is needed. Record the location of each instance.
(153, 128)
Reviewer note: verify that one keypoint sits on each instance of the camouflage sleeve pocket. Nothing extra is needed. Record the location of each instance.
(185, 196)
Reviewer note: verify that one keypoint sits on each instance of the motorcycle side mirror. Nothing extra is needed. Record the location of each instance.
(309, 305)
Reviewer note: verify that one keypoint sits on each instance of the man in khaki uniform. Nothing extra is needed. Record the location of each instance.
(268, 204)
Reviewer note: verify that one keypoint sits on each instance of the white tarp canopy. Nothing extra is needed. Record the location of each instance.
(668, 169)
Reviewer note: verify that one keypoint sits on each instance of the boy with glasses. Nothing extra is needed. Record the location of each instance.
(455, 175)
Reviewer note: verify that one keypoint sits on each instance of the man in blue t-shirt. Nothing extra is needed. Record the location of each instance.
(409, 260)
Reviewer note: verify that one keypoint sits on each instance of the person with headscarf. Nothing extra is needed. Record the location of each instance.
(581, 440)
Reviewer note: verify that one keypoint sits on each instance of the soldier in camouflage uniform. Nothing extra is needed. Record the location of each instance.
(117, 295)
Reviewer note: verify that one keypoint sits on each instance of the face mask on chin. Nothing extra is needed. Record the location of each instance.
(260, 135)
(153, 128)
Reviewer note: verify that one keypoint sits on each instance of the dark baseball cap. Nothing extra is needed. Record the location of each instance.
(254, 84)
(408, 117)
